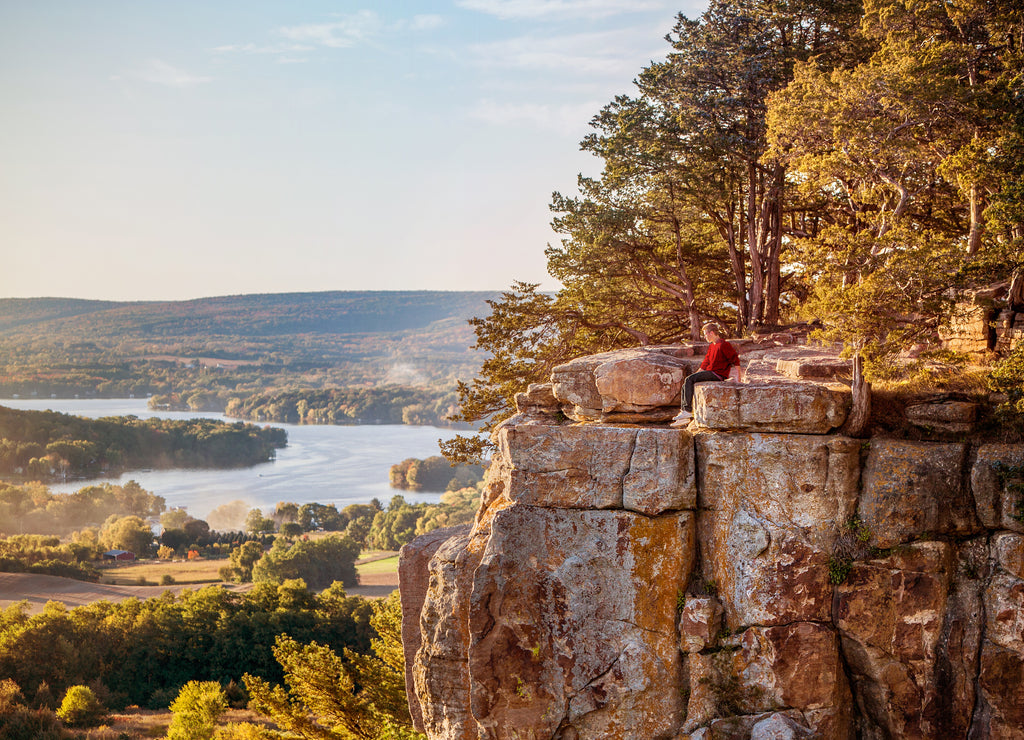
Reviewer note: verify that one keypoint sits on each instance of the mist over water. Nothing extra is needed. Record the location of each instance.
(338, 465)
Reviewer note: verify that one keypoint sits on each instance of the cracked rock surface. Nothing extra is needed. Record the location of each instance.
(639, 581)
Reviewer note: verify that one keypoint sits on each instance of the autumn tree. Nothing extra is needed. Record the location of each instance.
(127, 533)
(80, 707)
(317, 562)
(908, 153)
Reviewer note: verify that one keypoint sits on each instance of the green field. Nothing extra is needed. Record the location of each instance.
(376, 567)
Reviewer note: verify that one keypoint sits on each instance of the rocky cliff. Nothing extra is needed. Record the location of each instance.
(755, 575)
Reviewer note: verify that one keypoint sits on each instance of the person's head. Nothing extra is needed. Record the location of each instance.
(712, 331)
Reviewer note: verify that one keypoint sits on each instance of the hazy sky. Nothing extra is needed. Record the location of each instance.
(167, 150)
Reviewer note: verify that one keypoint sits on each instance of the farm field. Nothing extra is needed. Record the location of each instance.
(378, 577)
(194, 572)
(38, 589)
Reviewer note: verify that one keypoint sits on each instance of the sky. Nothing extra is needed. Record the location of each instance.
(175, 150)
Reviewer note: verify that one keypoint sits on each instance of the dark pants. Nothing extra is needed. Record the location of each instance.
(701, 376)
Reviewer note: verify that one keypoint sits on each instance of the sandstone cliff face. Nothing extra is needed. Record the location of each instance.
(755, 576)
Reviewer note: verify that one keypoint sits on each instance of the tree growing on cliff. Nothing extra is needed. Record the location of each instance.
(907, 153)
(690, 215)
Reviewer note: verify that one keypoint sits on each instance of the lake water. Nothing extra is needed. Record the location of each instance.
(339, 465)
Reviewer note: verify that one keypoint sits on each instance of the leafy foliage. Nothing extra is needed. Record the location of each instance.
(20, 722)
(387, 404)
(905, 151)
(328, 698)
(195, 710)
(47, 555)
(317, 562)
(205, 635)
(80, 707)
(433, 474)
(1007, 377)
(34, 508)
(401, 522)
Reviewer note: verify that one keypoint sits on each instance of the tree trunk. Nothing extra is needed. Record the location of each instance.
(688, 288)
(977, 221)
(860, 412)
(753, 248)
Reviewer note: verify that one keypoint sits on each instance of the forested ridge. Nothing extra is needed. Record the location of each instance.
(200, 355)
(255, 315)
(853, 163)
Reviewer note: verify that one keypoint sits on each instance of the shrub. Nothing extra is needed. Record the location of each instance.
(318, 562)
(196, 710)
(80, 707)
(1007, 377)
(245, 731)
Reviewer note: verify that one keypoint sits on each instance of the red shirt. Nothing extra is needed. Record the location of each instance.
(720, 357)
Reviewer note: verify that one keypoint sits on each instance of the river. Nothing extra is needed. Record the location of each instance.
(338, 465)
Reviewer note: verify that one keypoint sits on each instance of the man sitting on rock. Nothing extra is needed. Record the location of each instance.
(719, 360)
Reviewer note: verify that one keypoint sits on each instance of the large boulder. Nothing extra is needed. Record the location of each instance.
(1001, 685)
(818, 368)
(772, 406)
(440, 671)
(631, 385)
(573, 623)
(915, 489)
(997, 481)
(968, 329)
(957, 417)
(1004, 611)
(596, 467)
(640, 383)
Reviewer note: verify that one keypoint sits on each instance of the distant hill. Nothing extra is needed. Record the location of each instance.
(257, 315)
(210, 350)
(16, 312)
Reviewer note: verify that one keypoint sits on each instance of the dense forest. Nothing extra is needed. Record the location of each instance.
(385, 404)
(208, 634)
(853, 163)
(334, 687)
(46, 444)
